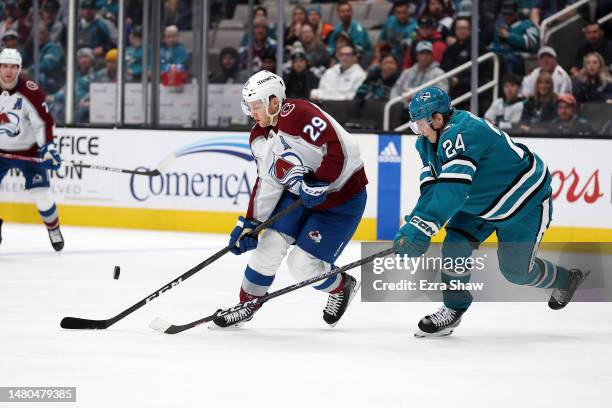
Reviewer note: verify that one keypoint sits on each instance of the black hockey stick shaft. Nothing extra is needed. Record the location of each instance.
(79, 323)
(174, 329)
(151, 173)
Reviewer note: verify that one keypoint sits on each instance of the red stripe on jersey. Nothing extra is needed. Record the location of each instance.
(31, 152)
(252, 199)
(32, 92)
(354, 185)
(256, 132)
(332, 163)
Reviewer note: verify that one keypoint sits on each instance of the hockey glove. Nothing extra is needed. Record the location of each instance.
(312, 191)
(51, 157)
(240, 239)
(414, 237)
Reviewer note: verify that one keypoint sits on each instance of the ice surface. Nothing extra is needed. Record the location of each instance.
(503, 355)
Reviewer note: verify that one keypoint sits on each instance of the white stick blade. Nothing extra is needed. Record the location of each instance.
(159, 324)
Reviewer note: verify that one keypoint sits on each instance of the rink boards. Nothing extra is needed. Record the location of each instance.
(208, 185)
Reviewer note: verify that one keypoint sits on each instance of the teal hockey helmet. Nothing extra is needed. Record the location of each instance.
(427, 101)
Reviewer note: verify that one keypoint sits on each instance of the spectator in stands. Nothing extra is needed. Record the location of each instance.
(109, 72)
(356, 32)
(56, 29)
(507, 112)
(83, 76)
(321, 28)
(51, 76)
(10, 40)
(426, 32)
(10, 18)
(315, 50)
(594, 82)
(398, 29)
(298, 19)
(92, 31)
(514, 38)
(594, 41)
(380, 81)
(300, 81)
(343, 40)
(259, 14)
(268, 61)
(567, 121)
(172, 52)
(459, 53)
(230, 68)
(442, 12)
(547, 62)
(381, 50)
(262, 42)
(341, 81)
(133, 56)
(423, 71)
(542, 105)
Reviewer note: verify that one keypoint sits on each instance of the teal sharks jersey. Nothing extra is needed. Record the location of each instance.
(477, 168)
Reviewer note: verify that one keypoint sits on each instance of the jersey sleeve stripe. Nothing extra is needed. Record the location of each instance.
(457, 180)
(459, 162)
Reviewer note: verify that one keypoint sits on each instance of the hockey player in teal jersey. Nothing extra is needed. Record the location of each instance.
(477, 181)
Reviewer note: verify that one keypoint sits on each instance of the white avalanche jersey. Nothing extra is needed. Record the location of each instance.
(25, 122)
(305, 139)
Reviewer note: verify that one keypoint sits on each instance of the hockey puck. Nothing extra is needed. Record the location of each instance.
(117, 272)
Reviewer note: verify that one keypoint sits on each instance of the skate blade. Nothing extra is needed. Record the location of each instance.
(442, 333)
(357, 286)
(214, 326)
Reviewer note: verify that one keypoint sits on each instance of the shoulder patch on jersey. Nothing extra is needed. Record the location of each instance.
(287, 109)
(31, 85)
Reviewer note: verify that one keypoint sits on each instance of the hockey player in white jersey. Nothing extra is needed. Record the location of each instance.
(26, 129)
(301, 152)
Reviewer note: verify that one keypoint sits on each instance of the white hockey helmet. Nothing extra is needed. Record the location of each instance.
(10, 56)
(260, 87)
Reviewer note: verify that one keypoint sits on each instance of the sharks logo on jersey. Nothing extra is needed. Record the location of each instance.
(288, 169)
(9, 124)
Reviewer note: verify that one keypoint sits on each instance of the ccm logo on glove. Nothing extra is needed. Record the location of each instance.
(426, 227)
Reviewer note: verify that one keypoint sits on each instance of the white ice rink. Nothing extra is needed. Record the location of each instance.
(502, 355)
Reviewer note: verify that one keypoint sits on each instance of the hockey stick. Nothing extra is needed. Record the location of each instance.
(79, 323)
(150, 173)
(161, 325)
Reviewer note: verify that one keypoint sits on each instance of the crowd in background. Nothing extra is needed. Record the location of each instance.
(418, 41)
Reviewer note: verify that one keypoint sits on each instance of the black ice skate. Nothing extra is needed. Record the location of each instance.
(441, 323)
(561, 297)
(234, 319)
(337, 303)
(57, 240)
(1, 230)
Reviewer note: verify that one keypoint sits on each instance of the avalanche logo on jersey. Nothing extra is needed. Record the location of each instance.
(288, 169)
(9, 124)
(287, 109)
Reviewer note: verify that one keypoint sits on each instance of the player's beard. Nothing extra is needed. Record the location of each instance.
(8, 85)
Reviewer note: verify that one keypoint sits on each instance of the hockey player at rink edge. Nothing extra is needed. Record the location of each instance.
(26, 128)
(479, 181)
(301, 152)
